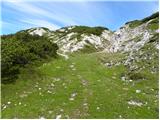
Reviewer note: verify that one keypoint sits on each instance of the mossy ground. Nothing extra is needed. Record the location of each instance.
(96, 91)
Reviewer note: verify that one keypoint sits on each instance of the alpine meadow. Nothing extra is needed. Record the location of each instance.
(82, 72)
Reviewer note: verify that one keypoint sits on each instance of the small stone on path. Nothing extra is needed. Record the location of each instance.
(138, 91)
(58, 116)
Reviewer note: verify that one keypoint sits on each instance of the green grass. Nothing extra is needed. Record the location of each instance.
(100, 92)
(135, 23)
(153, 25)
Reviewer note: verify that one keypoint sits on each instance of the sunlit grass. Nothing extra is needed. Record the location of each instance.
(80, 87)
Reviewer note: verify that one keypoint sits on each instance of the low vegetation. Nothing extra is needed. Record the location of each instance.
(89, 83)
(80, 87)
(85, 30)
(152, 25)
(21, 49)
(88, 30)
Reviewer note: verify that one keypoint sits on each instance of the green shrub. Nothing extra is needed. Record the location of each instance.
(21, 49)
(88, 49)
(135, 76)
(153, 25)
(153, 16)
(155, 38)
(88, 30)
(135, 23)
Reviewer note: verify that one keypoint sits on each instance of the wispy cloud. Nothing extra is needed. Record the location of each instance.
(33, 10)
(40, 23)
(22, 14)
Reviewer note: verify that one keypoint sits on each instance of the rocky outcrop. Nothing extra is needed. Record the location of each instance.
(74, 41)
(125, 39)
(128, 39)
(131, 37)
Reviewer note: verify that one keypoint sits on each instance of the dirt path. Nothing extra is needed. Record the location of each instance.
(82, 110)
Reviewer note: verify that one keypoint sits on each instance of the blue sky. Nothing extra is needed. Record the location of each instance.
(22, 14)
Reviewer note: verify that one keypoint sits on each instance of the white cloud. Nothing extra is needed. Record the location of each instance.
(33, 10)
(40, 23)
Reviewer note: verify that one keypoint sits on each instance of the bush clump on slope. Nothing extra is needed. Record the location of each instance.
(88, 30)
(21, 49)
(85, 30)
(153, 24)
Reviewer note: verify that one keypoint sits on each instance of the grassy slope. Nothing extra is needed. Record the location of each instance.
(45, 91)
(153, 25)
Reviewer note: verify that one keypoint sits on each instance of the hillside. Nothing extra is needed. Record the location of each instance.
(82, 72)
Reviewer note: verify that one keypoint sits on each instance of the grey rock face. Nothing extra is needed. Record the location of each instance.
(125, 39)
